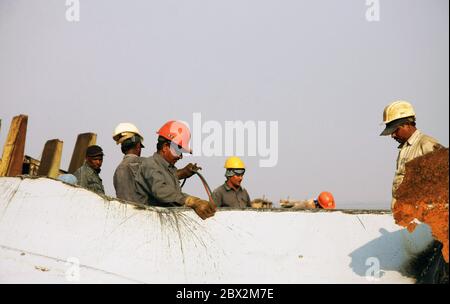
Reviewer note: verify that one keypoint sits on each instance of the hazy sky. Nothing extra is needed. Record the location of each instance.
(318, 68)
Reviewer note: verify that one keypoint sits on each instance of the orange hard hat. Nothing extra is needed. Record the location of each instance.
(326, 200)
(178, 133)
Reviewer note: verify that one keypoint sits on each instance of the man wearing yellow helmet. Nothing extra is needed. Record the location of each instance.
(231, 194)
(400, 120)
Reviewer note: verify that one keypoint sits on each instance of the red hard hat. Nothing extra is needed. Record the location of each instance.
(326, 200)
(177, 132)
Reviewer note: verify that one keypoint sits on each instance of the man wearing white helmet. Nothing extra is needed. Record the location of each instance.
(400, 120)
(130, 139)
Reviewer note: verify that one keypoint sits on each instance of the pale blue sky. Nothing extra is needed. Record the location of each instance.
(319, 68)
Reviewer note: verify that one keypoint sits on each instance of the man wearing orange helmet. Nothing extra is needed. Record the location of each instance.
(325, 200)
(157, 181)
(400, 120)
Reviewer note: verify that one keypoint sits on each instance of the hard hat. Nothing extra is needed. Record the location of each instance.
(396, 110)
(234, 162)
(129, 140)
(396, 114)
(393, 125)
(178, 133)
(125, 130)
(326, 200)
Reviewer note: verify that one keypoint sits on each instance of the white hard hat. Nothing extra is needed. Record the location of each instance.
(125, 130)
(396, 110)
(395, 114)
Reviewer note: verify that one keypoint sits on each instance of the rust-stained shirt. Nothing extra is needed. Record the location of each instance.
(157, 183)
(124, 177)
(417, 145)
(225, 196)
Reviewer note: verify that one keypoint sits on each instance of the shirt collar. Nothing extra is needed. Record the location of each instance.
(412, 139)
(91, 169)
(159, 159)
(129, 156)
(228, 188)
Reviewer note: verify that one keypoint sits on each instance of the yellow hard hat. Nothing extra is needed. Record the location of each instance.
(234, 162)
(125, 130)
(396, 110)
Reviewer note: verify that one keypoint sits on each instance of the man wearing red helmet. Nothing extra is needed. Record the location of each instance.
(325, 200)
(157, 181)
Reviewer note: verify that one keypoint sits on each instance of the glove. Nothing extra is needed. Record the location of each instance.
(188, 171)
(203, 208)
(286, 203)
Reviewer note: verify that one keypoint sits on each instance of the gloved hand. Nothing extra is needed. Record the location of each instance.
(286, 203)
(188, 171)
(306, 204)
(203, 208)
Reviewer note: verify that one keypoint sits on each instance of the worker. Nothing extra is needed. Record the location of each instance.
(157, 182)
(231, 194)
(131, 141)
(325, 200)
(400, 120)
(131, 144)
(88, 174)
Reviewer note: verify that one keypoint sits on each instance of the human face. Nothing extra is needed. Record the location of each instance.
(95, 162)
(171, 154)
(403, 133)
(235, 181)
